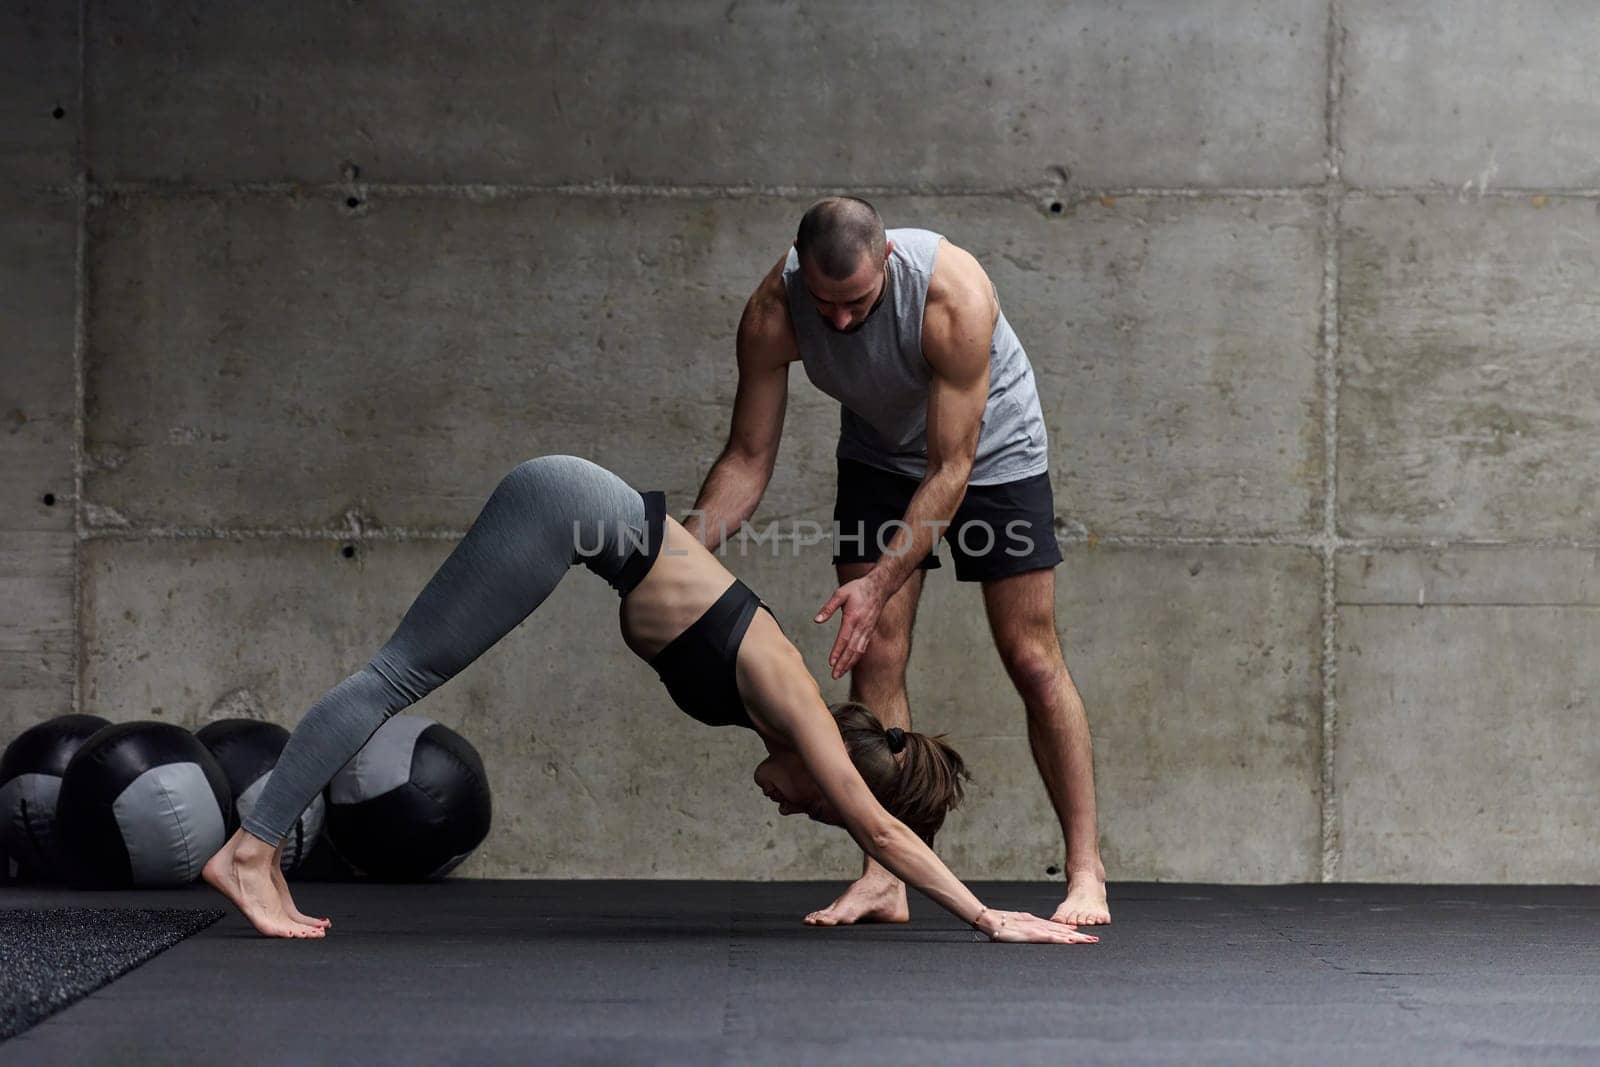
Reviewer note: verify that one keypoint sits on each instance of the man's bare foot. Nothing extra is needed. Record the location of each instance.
(1086, 900)
(288, 901)
(242, 871)
(869, 899)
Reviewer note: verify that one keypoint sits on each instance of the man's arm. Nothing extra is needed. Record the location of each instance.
(957, 328)
(765, 347)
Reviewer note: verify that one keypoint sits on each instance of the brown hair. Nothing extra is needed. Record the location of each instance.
(920, 787)
(836, 232)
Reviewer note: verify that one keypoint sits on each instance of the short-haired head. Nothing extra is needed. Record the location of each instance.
(836, 233)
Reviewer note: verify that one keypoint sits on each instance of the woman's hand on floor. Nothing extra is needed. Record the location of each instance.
(1021, 927)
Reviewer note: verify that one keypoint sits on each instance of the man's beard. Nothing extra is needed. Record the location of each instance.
(882, 293)
(849, 329)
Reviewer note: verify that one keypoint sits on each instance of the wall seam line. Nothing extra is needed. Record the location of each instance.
(1331, 858)
(1314, 542)
(79, 343)
(1072, 194)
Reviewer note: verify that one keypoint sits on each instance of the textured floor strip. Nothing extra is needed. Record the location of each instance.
(50, 957)
(709, 973)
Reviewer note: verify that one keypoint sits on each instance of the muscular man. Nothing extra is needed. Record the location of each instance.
(940, 435)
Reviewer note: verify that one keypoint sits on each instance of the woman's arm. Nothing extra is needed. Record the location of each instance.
(783, 694)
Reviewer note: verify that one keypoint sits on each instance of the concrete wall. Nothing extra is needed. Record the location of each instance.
(1309, 286)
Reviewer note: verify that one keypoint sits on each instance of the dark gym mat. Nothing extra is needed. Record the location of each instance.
(707, 973)
(50, 957)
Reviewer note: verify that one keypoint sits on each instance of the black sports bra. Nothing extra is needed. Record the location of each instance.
(699, 667)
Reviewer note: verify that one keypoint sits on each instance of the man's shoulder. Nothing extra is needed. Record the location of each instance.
(766, 320)
(957, 275)
(961, 305)
(772, 295)
(916, 248)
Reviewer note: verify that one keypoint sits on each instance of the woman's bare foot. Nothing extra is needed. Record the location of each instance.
(1086, 900)
(288, 901)
(242, 871)
(870, 899)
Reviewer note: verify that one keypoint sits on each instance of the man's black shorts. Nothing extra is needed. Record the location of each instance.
(998, 531)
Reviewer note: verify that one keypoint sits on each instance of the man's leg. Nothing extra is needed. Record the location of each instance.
(1021, 610)
(879, 682)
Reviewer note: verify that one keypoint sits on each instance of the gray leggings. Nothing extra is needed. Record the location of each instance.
(543, 517)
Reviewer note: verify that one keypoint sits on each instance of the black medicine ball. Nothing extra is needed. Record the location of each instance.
(412, 804)
(247, 750)
(30, 779)
(142, 804)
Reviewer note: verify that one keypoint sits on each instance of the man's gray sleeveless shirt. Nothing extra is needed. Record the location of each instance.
(880, 378)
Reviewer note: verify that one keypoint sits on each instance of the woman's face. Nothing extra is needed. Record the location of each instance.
(786, 782)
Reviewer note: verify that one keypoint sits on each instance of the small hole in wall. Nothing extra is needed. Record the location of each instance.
(49, 500)
(59, 112)
(1052, 870)
(352, 202)
(1057, 207)
(348, 552)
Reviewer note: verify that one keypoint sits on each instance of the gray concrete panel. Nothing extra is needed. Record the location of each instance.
(1470, 94)
(38, 93)
(278, 361)
(1216, 92)
(596, 774)
(1176, 348)
(38, 300)
(1198, 668)
(36, 638)
(332, 357)
(341, 348)
(1468, 343)
(1466, 741)
(1470, 576)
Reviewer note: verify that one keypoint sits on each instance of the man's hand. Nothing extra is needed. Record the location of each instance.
(862, 601)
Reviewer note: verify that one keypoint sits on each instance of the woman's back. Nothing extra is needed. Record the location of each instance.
(684, 581)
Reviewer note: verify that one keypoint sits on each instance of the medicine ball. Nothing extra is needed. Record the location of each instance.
(247, 750)
(30, 778)
(142, 804)
(412, 804)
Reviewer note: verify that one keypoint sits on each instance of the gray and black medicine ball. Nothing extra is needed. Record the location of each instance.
(142, 804)
(247, 750)
(412, 804)
(30, 778)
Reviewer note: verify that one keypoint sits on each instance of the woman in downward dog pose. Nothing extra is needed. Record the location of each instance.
(723, 660)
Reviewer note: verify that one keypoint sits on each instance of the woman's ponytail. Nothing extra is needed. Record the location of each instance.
(917, 778)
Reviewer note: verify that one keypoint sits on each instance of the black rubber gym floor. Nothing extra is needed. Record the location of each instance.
(713, 972)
